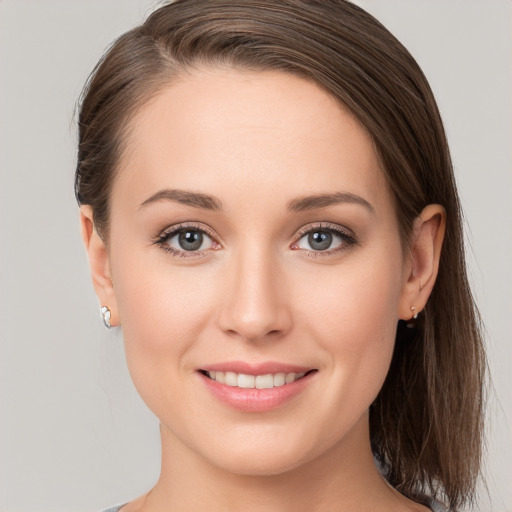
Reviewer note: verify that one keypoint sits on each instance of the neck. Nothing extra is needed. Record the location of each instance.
(345, 478)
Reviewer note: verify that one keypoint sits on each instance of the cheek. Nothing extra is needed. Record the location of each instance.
(163, 311)
(353, 314)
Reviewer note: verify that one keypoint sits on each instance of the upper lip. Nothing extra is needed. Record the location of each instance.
(263, 368)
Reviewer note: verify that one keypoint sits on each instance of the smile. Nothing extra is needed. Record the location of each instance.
(242, 380)
(256, 388)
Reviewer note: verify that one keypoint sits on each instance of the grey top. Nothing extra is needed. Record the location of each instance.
(434, 505)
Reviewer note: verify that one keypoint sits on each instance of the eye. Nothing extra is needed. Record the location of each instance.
(182, 239)
(326, 239)
(319, 241)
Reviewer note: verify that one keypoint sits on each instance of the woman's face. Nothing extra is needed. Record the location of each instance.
(253, 239)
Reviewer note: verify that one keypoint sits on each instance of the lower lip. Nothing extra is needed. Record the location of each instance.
(256, 400)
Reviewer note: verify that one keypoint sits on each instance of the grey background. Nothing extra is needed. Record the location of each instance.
(74, 436)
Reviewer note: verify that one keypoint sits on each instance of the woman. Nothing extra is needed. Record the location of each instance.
(269, 210)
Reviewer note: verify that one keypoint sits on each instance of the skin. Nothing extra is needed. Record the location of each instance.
(256, 291)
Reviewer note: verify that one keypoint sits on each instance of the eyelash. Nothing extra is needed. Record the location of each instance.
(346, 237)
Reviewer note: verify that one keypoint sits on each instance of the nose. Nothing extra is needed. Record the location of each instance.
(255, 306)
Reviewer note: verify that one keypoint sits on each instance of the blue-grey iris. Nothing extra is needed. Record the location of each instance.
(190, 240)
(320, 240)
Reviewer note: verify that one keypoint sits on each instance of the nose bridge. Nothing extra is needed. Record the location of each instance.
(255, 304)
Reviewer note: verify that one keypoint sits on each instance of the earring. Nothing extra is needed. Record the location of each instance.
(105, 316)
(411, 324)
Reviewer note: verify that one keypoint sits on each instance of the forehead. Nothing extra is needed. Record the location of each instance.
(221, 131)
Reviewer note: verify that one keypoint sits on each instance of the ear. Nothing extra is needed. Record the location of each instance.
(99, 263)
(423, 260)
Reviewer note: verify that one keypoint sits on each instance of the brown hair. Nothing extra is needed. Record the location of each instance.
(426, 424)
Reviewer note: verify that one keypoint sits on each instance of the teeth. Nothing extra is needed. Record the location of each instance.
(230, 379)
(245, 381)
(279, 379)
(264, 381)
(267, 381)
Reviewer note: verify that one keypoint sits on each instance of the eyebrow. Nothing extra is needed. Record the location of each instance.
(194, 199)
(314, 202)
(301, 204)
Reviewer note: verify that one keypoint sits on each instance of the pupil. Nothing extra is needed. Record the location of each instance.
(190, 240)
(320, 240)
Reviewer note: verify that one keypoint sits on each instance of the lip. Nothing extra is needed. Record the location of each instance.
(256, 400)
(255, 368)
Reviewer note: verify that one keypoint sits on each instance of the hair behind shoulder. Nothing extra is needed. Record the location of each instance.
(427, 422)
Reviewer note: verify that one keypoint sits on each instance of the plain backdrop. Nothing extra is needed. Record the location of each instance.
(74, 436)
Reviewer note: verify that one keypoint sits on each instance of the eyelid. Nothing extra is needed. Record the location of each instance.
(327, 226)
(175, 228)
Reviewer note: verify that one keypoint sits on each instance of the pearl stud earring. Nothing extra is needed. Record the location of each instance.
(105, 316)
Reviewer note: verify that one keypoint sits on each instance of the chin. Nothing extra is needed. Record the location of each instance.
(260, 464)
(266, 454)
